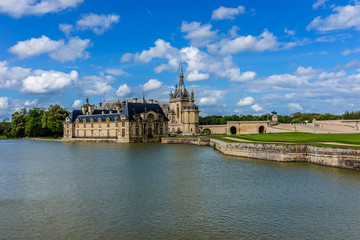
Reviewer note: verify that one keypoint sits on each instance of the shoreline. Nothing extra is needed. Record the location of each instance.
(340, 157)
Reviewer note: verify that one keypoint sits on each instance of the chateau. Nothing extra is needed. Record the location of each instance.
(135, 120)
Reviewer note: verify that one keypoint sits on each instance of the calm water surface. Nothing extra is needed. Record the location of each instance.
(51, 190)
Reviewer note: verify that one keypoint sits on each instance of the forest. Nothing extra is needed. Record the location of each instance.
(35, 122)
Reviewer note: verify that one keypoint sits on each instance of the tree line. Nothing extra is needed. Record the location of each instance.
(35, 122)
(297, 117)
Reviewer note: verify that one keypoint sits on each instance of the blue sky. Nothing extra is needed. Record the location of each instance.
(239, 57)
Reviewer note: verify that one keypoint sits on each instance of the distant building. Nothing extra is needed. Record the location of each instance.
(135, 120)
(126, 121)
(181, 110)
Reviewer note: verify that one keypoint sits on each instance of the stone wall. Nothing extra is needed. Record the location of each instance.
(192, 141)
(329, 156)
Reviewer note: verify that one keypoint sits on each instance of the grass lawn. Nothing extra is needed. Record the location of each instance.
(305, 138)
(3, 137)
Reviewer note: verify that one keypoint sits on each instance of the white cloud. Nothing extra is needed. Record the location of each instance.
(162, 49)
(245, 101)
(290, 32)
(77, 104)
(127, 57)
(123, 91)
(196, 76)
(35, 46)
(10, 77)
(4, 103)
(352, 64)
(227, 13)
(48, 81)
(305, 71)
(97, 23)
(319, 3)
(17, 9)
(75, 48)
(57, 50)
(256, 107)
(295, 107)
(197, 34)
(116, 72)
(265, 41)
(348, 51)
(211, 97)
(97, 85)
(66, 28)
(152, 84)
(246, 76)
(343, 17)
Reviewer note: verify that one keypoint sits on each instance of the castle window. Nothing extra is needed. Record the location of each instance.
(123, 132)
(84, 133)
(77, 133)
(177, 111)
(108, 132)
(137, 130)
(99, 133)
(92, 132)
(161, 131)
(156, 129)
(67, 132)
(123, 123)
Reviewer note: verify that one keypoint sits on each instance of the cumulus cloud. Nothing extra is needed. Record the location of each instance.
(245, 101)
(17, 9)
(35, 46)
(66, 28)
(246, 76)
(123, 91)
(10, 77)
(199, 35)
(94, 85)
(256, 107)
(97, 23)
(57, 50)
(227, 13)
(48, 81)
(77, 104)
(75, 48)
(211, 97)
(264, 42)
(152, 84)
(9, 105)
(343, 17)
(196, 76)
(295, 107)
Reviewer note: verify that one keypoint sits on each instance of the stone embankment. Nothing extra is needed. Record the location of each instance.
(192, 141)
(348, 158)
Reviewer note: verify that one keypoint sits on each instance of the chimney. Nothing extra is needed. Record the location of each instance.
(151, 101)
(102, 112)
(100, 104)
(110, 112)
(135, 100)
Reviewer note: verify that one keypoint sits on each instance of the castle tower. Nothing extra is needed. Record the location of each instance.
(185, 114)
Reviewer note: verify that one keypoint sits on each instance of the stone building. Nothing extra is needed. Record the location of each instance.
(126, 121)
(181, 110)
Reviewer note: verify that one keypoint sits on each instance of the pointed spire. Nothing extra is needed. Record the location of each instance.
(181, 76)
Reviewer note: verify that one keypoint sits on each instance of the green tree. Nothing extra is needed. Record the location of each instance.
(5, 127)
(33, 125)
(53, 118)
(18, 120)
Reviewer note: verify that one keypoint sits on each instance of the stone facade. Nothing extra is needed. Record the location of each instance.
(133, 122)
(238, 127)
(181, 110)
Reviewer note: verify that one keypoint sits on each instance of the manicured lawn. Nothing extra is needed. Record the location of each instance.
(294, 137)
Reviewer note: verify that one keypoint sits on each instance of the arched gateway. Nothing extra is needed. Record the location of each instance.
(233, 130)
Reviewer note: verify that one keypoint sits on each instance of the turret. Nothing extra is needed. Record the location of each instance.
(192, 98)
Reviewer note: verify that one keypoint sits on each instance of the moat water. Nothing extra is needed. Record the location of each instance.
(54, 190)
